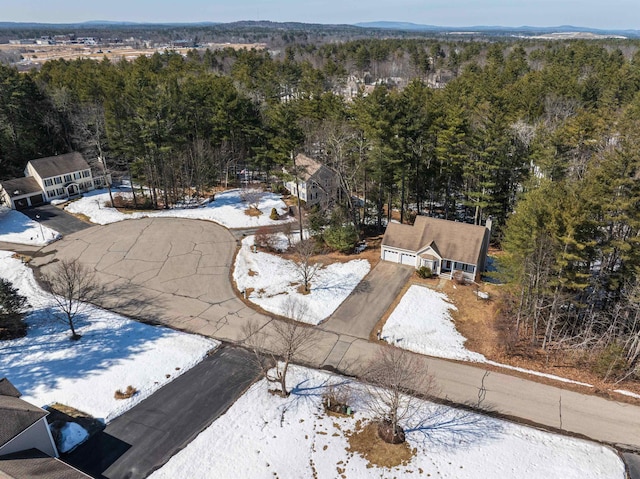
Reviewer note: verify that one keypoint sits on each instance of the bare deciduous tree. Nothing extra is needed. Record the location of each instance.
(306, 266)
(277, 344)
(252, 197)
(393, 377)
(72, 286)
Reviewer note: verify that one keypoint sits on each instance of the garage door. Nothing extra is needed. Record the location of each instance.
(36, 200)
(392, 256)
(409, 259)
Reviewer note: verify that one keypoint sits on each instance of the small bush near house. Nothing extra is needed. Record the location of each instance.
(130, 391)
(274, 215)
(424, 272)
(458, 277)
(341, 238)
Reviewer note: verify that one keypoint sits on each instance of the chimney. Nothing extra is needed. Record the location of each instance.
(489, 223)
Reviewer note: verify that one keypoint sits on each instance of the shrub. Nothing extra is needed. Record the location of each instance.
(266, 237)
(274, 214)
(424, 272)
(341, 238)
(610, 362)
(130, 391)
(12, 307)
(458, 277)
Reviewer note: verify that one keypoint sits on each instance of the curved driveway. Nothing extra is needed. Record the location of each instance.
(176, 272)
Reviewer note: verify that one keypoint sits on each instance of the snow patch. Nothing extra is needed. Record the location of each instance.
(227, 209)
(274, 282)
(114, 352)
(16, 227)
(72, 435)
(421, 323)
(293, 438)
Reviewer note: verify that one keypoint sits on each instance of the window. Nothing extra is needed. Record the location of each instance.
(48, 182)
(76, 175)
(86, 174)
(58, 180)
(67, 178)
(60, 191)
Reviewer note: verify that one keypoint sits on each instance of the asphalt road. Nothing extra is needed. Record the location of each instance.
(176, 272)
(145, 437)
(56, 218)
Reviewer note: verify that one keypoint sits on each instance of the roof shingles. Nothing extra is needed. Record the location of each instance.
(451, 240)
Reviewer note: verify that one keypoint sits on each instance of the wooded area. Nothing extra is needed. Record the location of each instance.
(541, 136)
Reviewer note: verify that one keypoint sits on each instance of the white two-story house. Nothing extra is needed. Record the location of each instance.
(50, 178)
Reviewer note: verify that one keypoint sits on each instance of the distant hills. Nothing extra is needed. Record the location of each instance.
(528, 30)
(406, 27)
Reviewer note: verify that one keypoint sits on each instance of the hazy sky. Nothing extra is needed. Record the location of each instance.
(621, 14)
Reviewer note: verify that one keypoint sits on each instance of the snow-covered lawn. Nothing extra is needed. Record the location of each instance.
(227, 209)
(113, 353)
(274, 282)
(265, 436)
(421, 323)
(16, 227)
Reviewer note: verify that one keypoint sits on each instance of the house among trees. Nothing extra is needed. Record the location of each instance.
(316, 183)
(441, 245)
(46, 179)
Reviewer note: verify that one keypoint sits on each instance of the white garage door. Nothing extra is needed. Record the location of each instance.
(392, 256)
(409, 259)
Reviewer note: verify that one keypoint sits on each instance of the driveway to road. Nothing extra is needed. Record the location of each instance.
(360, 312)
(145, 437)
(177, 272)
(57, 219)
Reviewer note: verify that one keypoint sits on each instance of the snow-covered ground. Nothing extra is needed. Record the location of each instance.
(227, 209)
(275, 282)
(16, 227)
(421, 323)
(266, 436)
(113, 353)
(72, 434)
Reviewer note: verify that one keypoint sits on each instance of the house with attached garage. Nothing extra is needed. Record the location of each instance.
(316, 183)
(441, 245)
(50, 178)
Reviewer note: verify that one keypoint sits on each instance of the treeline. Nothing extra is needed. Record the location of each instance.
(541, 136)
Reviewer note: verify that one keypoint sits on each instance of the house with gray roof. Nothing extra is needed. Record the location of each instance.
(27, 448)
(23, 425)
(50, 178)
(443, 246)
(316, 183)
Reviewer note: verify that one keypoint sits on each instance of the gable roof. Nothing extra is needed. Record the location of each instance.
(450, 239)
(33, 464)
(8, 389)
(307, 166)
(17, 415)
(59, 165)
(21, 186)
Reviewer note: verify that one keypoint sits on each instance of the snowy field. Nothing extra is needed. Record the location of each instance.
(275, 283)
(294, 438)
(227, 209)
(421, 323)
(16, 227)
(113, 353)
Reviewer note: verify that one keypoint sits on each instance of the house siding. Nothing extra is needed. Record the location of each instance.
(37, 436)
